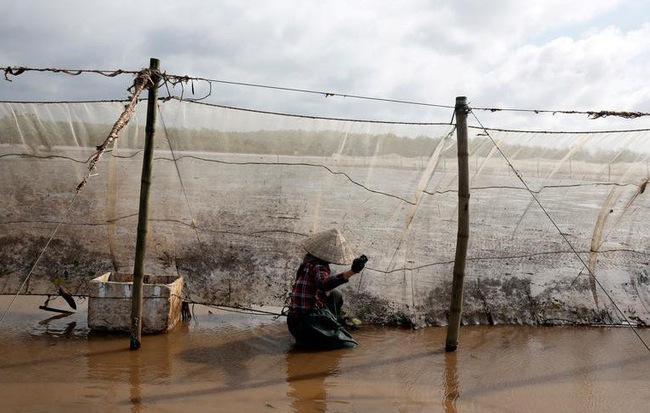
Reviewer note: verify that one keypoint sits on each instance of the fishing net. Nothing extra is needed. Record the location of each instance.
(559, 221)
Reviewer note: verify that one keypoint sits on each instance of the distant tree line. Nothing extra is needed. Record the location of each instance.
(47, 134)
(302, 143)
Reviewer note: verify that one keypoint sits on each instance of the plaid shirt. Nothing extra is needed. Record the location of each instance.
(312, 282)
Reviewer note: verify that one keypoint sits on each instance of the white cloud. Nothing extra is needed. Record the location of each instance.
(603, 70)
(552, 54)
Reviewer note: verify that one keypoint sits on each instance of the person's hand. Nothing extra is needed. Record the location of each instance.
(359, 263)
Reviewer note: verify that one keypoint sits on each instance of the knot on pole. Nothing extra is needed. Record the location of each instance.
(461, 104)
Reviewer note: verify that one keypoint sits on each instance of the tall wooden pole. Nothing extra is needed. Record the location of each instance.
(143, 212)
(457, 288)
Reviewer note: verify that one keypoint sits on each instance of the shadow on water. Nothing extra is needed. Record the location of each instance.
(555, 377)
(306, 371)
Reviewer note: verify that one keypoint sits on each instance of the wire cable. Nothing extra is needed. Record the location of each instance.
(180, 178)
(38, 259)
(184, 79)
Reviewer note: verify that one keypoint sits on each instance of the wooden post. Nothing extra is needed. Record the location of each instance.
(143, 212)
(456, 307)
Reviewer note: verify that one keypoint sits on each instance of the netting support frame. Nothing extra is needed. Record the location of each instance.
(143, 211)
(456, 307)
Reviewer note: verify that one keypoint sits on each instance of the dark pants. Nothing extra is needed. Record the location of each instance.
(321, 329)
(334, 303)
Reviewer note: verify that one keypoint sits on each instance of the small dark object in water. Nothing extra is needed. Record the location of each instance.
(66, 296)
(54, 310)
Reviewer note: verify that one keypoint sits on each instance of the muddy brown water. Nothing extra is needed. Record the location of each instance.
(230, 362)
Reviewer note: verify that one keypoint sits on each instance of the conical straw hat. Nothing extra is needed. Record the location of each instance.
(329, 246)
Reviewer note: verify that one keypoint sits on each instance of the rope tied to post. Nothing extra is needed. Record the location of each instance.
(143, 80)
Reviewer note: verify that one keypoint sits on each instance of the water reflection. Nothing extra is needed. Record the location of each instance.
(451, 383)
(135, 389)
(66, 332)
(126, 372)
(306, 374)
(231, 364)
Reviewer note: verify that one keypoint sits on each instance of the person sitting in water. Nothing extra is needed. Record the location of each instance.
(315, 318)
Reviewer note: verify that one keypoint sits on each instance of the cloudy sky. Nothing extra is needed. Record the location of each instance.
(548, 54)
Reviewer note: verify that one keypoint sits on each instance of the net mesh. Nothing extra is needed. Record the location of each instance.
(557, 220)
